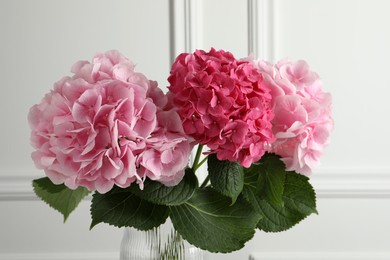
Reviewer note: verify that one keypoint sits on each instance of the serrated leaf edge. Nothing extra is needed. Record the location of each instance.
(65, 215)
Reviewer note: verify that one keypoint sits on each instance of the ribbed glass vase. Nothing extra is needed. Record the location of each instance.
(161, 243)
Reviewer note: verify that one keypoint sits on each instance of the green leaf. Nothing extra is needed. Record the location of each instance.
(226, 177)
(59, 197)
(272, 173)
(208, 221)
(251, 191)
(121, 208)
(298, 202)
(158, 193)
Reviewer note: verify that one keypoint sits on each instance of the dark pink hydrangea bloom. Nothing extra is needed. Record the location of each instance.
(102, 128)
(223, 103)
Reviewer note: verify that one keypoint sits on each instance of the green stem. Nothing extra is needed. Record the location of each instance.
(197, 164)
(205, 181)
(200, 164)
(197, 157)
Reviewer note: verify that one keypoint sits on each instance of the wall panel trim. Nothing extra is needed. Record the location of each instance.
(334, 184)
(254, 256)
(352, 184)
(321, 256)
(261, 39)
(185, 26)
(61, 256)
(16, 188)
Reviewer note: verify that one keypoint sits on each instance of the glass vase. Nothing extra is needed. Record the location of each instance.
(161, 243)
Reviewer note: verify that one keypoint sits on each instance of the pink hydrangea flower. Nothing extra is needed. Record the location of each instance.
(94, 128)
(223, 103)
(168, 148)
(303, 119)
(168, 152)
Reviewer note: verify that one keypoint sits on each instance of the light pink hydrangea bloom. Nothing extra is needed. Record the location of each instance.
(303, 119)
(223, 103)
(94, 128)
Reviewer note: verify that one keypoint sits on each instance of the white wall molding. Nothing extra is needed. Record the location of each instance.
(337, 183)
(254, 256)
(352, 184)
(253, 27)
(19, 188)
(321, 256)
(61, 256)
(16, 188)
(261, 29)
(185, 26)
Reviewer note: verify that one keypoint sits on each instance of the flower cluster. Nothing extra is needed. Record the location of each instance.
(303, 120)
(224, 104)
(108, 125)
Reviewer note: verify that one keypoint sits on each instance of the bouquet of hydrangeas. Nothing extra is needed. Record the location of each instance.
(111, 131)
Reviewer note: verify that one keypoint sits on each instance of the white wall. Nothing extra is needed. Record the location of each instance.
(40, 40)
(345, 41)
